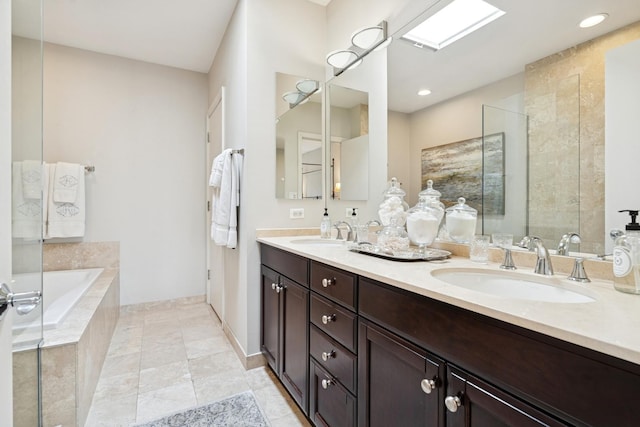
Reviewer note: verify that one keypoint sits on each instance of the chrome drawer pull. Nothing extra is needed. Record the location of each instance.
(328, 282)
(326, 383)
(328, 355)
(428, 385)
(276, 287)
(452, 403)
(328, 318)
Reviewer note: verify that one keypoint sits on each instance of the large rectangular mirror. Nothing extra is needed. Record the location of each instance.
(298, 139)
(349, 124)
(552, 91)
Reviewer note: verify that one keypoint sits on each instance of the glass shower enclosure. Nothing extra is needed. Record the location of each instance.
(27, 207)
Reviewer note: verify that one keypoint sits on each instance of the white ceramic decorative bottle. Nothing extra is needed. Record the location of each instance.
(626, 257)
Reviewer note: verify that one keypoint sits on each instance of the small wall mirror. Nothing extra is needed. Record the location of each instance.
(349, 147)
(298, 141)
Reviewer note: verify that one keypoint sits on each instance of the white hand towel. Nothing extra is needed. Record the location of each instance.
(26, 221)
(236, 171)
(66, 182)
(32, 179)
(65, 219)
(222, 201)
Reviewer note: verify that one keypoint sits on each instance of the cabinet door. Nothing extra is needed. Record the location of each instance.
(295, 333)
(472, 402)
(270, 329)
(330, 404)
(399, 383)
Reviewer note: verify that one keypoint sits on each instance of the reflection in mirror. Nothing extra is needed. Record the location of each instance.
(298, 141)
(349, 124)
(552, 92)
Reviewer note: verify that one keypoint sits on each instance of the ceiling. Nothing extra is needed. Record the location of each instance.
(529, 31)
(187, 33)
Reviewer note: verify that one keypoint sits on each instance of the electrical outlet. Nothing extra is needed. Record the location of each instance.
(296, 213)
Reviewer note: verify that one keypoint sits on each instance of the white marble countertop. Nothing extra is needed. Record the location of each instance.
(610, 324)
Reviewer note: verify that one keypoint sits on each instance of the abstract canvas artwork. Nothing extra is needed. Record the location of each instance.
(457, 171)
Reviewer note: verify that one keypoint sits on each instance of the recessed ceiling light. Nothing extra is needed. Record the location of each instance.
(454, 21)
(593, 20)
(424, 92)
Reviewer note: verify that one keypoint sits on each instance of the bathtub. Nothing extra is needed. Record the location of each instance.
(61, 290)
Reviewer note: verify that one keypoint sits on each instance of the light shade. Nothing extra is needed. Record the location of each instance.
(454, 21)
(341, 58)
(307, 86)
(593, 20)
(293, 97)
(367, 38)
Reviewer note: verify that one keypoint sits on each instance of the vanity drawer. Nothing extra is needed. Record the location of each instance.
(335, 284)
(337, 322)
(340, 362)
(293, 266)
(330, 404)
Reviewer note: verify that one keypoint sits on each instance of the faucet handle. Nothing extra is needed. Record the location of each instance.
(579, 274)
(337, 227)
(507, 263)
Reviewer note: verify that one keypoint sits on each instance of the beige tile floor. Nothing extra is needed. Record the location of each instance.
(170, 359)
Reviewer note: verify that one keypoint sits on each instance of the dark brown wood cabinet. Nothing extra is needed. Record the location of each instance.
(371, 354)
(399, 384)
(285, 322)
(331, 404)
(472, 402)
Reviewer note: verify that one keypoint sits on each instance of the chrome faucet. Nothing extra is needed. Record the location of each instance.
(563, 245)
(535, 244)
(349, 232)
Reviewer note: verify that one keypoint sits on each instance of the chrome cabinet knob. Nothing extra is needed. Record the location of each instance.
(326, 383)
(452, 403)
(277, 287)
(328, 355)
(328, 318)
(274, 286)
(328, 282)
(428, 385)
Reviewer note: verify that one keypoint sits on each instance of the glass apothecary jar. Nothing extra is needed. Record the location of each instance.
(393, 206)
(423, 221)
(461, 221)
(393, 237)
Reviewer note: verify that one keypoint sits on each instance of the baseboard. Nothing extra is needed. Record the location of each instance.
(249, 362)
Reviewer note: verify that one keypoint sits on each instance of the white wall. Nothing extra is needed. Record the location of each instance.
(259, 43)
(399, 149)
(6, 399)
(143, 127)
(622, 150)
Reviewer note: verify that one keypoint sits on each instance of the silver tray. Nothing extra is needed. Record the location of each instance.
(406, 255)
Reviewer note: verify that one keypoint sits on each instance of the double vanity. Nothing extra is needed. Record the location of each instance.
(359, 340)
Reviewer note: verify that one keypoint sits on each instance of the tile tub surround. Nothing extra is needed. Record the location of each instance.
(73, 354)
(608, 325)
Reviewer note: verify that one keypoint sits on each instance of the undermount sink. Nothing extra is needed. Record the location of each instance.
(509, 284)
(318, 242)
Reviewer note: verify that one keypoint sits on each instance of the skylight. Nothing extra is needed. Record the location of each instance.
(456, 20)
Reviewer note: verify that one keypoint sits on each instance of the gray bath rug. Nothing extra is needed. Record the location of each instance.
(240, 410)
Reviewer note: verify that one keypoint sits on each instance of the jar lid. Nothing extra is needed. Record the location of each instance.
(430, 191)
(462, 209)
(394, 189)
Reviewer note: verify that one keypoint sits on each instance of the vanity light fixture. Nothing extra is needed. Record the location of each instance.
(456, 20)
(594, 20)
(424, 92)
(304, 89)
(363, 42)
